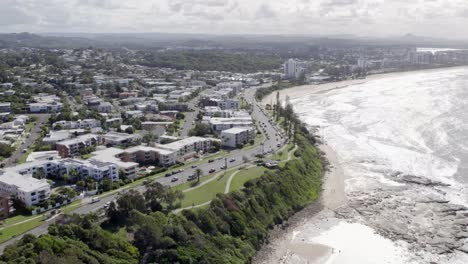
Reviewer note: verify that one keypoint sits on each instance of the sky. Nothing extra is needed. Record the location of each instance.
(434, 18)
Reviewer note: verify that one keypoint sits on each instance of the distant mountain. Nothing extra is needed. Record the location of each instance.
(281, 43)
(37, 41)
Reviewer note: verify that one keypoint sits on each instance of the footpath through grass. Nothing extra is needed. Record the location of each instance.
(244, 176)
(208, 191)
(13, 231)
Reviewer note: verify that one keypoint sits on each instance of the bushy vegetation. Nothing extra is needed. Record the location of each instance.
(260, 93)
(6, 150)
(211, 61)
(81, 240)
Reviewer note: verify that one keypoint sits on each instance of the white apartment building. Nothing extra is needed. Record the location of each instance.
(290, 68)
(237, 136)
(115, 156)
(115, 138)
(98, 170)
(220, 124)
(188, 146)
(80, 124)
(27, 189)
(45, 107)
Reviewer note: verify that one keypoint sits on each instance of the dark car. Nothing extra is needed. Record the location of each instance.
(194, 166)
(232, 160)
(168, 174)
(174, 179)
(191, 177)
(212, 170)
(210, 161)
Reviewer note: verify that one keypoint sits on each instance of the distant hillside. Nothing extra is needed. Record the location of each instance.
(276, 43)
(37, 41)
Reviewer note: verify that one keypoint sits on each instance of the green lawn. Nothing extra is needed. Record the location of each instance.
(207, 192)
(10, 232)
(188, 185)
(244, 176)
(15, 219)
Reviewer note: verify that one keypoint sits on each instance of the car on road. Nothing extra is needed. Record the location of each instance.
(106, 205)
(220, 158)
(175, 172)
(212, 170)
(174, 179)
(168, 174)
(194, 166)
(181, 170)
(232, 160)
(223, 167)
(24, 150)
(191, 177)
(210, 161)
(279, 145)
(95, 200)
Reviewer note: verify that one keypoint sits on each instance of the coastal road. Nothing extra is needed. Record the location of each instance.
(190, 117)
(34, 134)
(273, 141)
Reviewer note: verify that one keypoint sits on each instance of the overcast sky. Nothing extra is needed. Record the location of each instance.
(441, 18)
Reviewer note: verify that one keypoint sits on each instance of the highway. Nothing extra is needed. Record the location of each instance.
(273, 141)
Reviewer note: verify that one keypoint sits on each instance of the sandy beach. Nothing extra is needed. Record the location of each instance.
(299, 91)
(301, 240)
(283, 247)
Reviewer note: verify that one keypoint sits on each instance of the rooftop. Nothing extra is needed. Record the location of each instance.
(236, 130)
(22, 182)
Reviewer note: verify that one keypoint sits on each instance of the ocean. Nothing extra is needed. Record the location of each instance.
(402, 143)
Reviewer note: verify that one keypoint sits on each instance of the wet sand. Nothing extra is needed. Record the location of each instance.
(284, 247)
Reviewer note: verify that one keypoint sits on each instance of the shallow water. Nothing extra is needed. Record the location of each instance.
(414, 124)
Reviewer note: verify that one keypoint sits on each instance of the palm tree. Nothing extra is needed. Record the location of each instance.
(198, 173)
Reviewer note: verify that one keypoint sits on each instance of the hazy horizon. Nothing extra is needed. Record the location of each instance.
(362, 18)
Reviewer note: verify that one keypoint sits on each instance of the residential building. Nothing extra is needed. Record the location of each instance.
(188, 146)
(128, 169)
(120, 139)
(229, 104)
(4, 206)
(157, 128)
(25, 188)
(235, 86)
(80, 124)
(237, 136)
(5, 107)
(220, 124)
(104, 107)
(45, 107)
(72, 147)
(150, 155)
(96, 169)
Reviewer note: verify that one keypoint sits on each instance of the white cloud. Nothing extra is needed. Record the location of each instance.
(362, 17)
